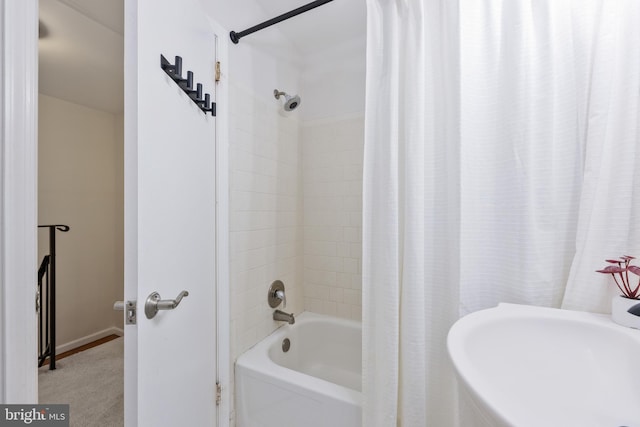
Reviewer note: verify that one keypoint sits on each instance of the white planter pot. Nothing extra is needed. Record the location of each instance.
(619, 313)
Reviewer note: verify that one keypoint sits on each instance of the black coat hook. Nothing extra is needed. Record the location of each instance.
(175, 72)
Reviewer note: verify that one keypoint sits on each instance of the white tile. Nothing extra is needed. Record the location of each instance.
(296, 214)
(353, 157)
(355, 219)
(356, 282)
(290, 233)
(344, 310)
(342, 249)
(286, 250)
(319, 277)
(265, 216)
(352, 203)
(252, 201)
(352, 234)
(343, 280)
(322, 292)
(241, 181)
(350, 265)
(324, 233)
(285, 219)
(321, 203)
(286, 203)
(314, 305)
(314, 247)
(310, 290)
(336, 294)
(353, 173)
(326, 263)
(355, 250)
(325, 218)
(330, 308)
(353, 297)
(332, 154)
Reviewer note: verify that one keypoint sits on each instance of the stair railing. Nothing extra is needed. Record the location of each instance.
(46, 300)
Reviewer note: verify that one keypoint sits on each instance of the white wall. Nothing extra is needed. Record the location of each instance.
(333, 81)
(80, 184)
(332, 165)
(333, 89)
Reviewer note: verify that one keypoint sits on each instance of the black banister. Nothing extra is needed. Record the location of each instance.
(47, 335)
(235, 37)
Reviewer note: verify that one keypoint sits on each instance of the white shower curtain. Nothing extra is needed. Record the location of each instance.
(501, 161)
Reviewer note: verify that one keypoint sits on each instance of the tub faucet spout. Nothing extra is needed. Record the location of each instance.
(284, 317)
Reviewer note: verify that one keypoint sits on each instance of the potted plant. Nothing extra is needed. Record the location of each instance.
(625, 308)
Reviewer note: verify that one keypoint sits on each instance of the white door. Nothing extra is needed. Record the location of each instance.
(170, 217)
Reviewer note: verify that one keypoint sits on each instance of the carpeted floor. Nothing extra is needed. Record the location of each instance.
(91, 382)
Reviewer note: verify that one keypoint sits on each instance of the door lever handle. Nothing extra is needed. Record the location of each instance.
(154, 303)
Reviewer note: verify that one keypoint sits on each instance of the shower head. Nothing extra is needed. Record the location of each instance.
(291, 102)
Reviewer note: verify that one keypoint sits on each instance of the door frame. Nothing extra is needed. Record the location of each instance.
(18, 200)
(223, 285)
(18, 206)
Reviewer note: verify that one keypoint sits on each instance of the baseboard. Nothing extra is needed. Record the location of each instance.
(88, 339)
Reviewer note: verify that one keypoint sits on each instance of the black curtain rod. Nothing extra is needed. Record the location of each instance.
(235, 37)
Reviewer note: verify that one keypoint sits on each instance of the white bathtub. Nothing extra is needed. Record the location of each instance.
(317, 383)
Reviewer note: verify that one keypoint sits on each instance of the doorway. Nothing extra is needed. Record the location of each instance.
(80, 184)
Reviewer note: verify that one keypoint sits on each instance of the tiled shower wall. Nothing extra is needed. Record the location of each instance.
(332, 193)
(265, 215)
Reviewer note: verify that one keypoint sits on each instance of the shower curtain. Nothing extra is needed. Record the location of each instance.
(502, 164)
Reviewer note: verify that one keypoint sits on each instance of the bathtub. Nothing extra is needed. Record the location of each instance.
(316, 383)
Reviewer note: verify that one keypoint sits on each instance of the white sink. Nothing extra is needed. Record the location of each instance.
(526, 366)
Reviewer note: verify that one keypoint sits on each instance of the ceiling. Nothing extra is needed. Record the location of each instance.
(81, 58)
(319, 29)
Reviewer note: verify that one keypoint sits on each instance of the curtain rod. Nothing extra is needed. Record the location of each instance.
(235, 37)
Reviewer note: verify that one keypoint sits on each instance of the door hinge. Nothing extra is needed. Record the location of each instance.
(218, 73)
(218, 394)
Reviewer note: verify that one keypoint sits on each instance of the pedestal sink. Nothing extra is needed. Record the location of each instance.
(527, 366)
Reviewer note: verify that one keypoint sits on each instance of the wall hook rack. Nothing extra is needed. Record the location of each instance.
(186, 84)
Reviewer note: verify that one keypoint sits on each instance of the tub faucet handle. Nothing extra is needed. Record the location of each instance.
(276, 294)
(281, 296)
